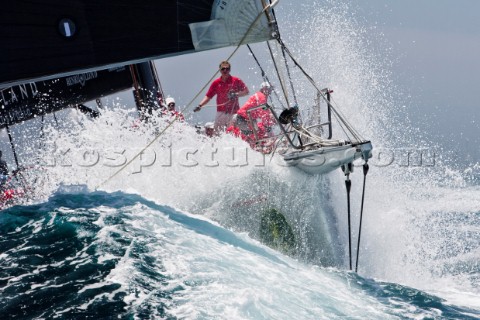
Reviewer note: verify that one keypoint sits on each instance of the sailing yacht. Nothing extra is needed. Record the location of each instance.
(59, 55)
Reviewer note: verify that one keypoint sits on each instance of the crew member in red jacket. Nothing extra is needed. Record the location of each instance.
(251, 120)
(259, 115)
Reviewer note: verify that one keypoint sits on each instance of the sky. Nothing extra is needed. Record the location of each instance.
(436, 49)
(437, 44)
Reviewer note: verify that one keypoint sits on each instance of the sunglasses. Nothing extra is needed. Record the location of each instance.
(224, 68)
(171, 104)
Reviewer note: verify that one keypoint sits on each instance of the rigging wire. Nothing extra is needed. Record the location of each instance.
(350, 128)
(264, 76)
(55, 118)
(341, 118)
(365, 171)
(282, 82)
(342, 125)
(42, 134)
(289, 77)
(280, 78)
(9, 133)
(348, 185)
(157, 82)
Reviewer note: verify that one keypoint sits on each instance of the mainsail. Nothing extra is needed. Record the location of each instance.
(48, 39)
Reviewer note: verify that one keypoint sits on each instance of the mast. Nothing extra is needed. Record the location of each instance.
(146, 88)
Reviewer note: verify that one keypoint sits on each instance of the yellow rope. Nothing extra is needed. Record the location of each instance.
(138, 154)
(190, 103)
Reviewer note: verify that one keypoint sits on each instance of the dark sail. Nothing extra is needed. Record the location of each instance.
(46, 39)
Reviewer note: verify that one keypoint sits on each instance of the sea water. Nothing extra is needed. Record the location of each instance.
(163, 239)
(118, 255)
(175, 234)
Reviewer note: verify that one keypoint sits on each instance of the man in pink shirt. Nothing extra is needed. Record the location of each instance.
(227, 89)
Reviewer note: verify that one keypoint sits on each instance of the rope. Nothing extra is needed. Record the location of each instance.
(215, 105)
(316, 139)
(191, 101)
(138, 154)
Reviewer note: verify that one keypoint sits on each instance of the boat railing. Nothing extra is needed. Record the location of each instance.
(261, 137)
(325, 94)
(298, 134)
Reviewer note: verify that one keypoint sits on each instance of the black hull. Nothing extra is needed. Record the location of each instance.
(26, 101)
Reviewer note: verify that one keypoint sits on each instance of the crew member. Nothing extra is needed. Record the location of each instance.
(254, 123)
(228, 89)
(170, 109)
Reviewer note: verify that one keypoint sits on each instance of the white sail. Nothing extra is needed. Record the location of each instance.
(233, 22)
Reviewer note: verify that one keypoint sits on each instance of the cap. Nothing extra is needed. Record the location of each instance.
(169, 100)
(265, 84)
(209, 125)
